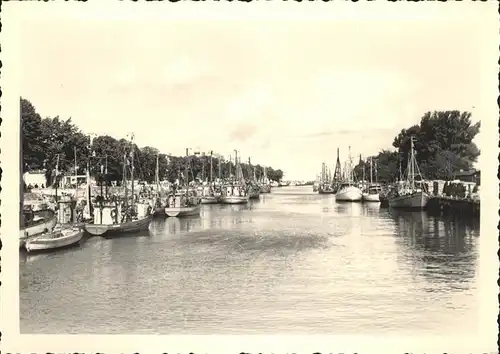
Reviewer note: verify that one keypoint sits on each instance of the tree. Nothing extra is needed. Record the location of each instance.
(443, 143)
(33, 152)
(46, 141)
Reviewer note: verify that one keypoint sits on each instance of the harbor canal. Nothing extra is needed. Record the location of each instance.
(292, 262)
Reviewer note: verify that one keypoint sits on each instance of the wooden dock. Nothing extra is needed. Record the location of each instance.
(451, 205)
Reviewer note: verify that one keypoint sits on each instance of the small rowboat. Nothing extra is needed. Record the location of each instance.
(58, 238)
(234, 199)
(209, 199)
(183, 211)
(43, 221)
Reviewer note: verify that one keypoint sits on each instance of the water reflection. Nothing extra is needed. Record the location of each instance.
(290, 262)
(442, 250)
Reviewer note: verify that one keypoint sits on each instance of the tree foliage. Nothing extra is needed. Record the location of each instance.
(443, 143)
(43, 140)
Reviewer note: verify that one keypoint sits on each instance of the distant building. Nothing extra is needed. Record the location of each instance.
(35, 177)
(74, 180)
(469, 176)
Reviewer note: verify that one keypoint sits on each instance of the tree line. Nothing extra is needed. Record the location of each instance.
(54, 143)
(443, 146)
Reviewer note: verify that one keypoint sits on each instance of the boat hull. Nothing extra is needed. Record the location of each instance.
(183, 211)
(40, 244)
(159, 211)
(411, 201)
(234, 200)
(126, 227)
(209, 200)
(36, 229)
(349, 194)
(375, 198)
(265, 189)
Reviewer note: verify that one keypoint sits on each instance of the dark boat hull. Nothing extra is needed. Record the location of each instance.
(127, 227)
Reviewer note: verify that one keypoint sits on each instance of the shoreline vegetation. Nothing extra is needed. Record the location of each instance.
(443, 148)
(54, 143)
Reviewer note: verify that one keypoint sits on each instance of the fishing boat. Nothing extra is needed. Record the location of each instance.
(409, 194)
(372, 193)
(235, 192)
(36, 223)
(107, 221)
(179, 205)
(265, 186)
(158, 208)
(54, 239)
(208, 195)
(183, 202)
(33, 223)
(253, 186)
(347, 191)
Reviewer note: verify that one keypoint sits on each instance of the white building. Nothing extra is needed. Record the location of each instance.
(35, 178)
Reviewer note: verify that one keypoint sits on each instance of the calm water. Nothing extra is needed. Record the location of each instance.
(293, 262)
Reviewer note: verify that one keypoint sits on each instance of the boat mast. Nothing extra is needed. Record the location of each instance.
(106, 174)
(220, 169)
(157, 173)
(57, 173)
(132, 168)
(236, 172)
(411, 172)
(363, 164)
(76, 166)
(349, 176)
(124, 181)
(337, 176)
(202, 171)
(371, 170)
(187, 169)
(211, 166)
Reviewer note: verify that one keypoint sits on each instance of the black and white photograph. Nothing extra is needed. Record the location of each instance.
(250, 173)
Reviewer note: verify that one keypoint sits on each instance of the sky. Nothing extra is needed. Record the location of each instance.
(285, 93)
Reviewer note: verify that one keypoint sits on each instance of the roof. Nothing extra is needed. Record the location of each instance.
(467, 173)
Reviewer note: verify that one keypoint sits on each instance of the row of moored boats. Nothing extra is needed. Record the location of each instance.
(131, 210)
(408, 193)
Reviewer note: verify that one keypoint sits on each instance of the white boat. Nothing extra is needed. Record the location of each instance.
(371, 197)
(183, 202)
(347, 191)
(58, 238)
(372, 193)
(208, 196)
(180, 206)
(235, 192)
(183, 211)
(410, 195)
(42, 221)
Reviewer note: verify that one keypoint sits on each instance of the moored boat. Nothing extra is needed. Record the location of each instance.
(134, 217)
(179, 205)
(57, 238)
(372, 193)
(410, 200)
(347, 191)
(119, 228)
(36, 223)
(409, 195)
